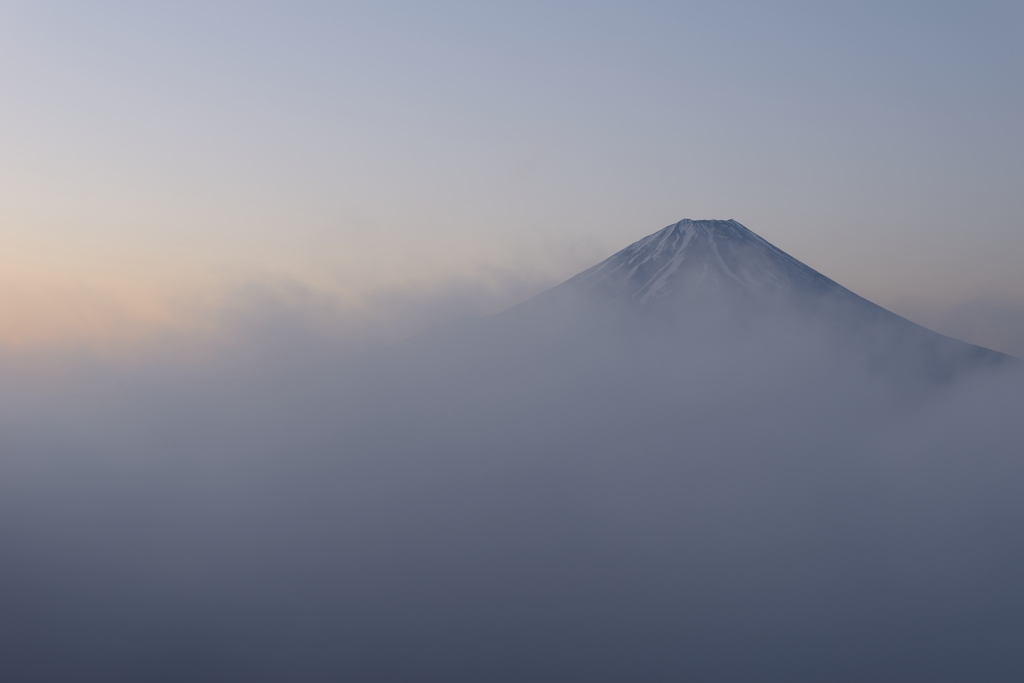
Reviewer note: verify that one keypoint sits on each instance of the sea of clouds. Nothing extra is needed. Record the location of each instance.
(542, 497)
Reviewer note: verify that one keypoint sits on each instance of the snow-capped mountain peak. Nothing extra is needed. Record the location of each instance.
(694, 257)
(708, 275)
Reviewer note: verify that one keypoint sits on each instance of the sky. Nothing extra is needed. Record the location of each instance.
(160, 161)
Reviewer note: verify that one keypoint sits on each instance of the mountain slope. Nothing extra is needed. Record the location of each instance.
(716, 278)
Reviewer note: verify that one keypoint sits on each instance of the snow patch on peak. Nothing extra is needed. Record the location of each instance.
(665, 272)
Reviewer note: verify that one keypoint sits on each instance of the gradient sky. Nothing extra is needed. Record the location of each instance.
(157, 156)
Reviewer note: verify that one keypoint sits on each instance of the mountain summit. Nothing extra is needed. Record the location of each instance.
(691, 257)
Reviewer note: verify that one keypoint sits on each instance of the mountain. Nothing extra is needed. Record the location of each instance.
(716, 277)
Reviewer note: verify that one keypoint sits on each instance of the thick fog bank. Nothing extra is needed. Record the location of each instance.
(522, 497)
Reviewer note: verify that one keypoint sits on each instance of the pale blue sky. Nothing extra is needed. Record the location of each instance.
(154, 151)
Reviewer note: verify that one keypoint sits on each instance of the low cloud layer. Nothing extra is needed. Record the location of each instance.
(511, 498)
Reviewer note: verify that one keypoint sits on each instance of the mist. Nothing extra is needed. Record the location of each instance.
(557, 492)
